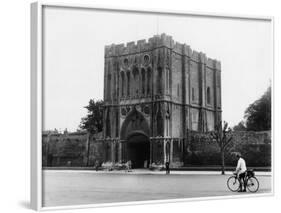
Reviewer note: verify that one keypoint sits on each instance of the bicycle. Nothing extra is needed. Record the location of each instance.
(252, 182)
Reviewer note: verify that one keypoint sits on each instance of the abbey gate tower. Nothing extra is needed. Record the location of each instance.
(155, 91)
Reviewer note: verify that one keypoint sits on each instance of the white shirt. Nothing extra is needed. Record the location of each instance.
(241, 166)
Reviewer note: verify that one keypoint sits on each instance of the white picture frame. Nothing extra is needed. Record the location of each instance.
(36, 98)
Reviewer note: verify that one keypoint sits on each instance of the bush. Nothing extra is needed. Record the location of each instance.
(120, 166)
(107, 166)
(156, 166)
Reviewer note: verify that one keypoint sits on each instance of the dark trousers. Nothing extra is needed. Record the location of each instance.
(241, 179)
(167, 169)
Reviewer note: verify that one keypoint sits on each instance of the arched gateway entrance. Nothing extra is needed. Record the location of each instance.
(138, 150)
(135, 136)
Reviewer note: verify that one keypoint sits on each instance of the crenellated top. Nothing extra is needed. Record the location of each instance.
(213, 63)
(157, 41)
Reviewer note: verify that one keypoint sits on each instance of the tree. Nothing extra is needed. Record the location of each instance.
(93, 122)
(222, 134)
(240, 126)
(258, 114)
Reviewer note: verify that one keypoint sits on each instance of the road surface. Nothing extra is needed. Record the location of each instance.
(62, 188)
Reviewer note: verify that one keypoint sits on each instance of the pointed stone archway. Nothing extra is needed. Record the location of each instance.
(138, 150)
(135, 134)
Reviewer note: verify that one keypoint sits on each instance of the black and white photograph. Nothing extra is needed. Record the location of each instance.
(143, 106)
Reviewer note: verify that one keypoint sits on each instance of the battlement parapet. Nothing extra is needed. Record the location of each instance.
(202, 58)
(217, 65)
(140, 46)
(156, 41)
(195, 56)
(213, 64)
(187, 50)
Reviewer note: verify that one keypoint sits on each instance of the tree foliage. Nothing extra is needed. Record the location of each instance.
(241, 126)
(258, 114)
(93, 122)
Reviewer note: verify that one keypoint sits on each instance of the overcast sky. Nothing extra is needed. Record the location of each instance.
(74, 41)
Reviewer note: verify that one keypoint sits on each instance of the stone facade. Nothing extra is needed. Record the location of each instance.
(154, 91)
(80, 150)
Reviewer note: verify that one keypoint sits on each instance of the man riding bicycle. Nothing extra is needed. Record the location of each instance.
(241, 172)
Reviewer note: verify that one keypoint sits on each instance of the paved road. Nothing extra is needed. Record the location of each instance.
(88, 187)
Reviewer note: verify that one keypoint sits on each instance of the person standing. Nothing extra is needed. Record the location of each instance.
(97, 165)
(167, 166)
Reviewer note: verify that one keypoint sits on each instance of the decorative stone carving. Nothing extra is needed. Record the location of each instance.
(146, 60)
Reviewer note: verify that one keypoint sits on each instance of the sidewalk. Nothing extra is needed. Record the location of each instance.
(145, 172)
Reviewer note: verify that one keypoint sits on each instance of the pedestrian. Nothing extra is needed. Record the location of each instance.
(97, 165)
(129, 166)
(167, 165)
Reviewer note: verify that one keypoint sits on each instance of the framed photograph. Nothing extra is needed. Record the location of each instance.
(133, 106)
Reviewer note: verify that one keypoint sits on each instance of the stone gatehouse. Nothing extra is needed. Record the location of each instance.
(154, 91)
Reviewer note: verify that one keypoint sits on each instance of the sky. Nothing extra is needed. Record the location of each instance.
(73, 56)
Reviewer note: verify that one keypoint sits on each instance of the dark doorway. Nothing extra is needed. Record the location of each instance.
(138, 150)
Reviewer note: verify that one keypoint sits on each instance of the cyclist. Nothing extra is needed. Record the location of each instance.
(241, 172)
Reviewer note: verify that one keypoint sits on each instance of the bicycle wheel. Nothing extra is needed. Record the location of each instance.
(233, 184)
(253, 184)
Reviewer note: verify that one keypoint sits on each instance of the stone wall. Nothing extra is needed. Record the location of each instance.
(255, 148)
(71, 149)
